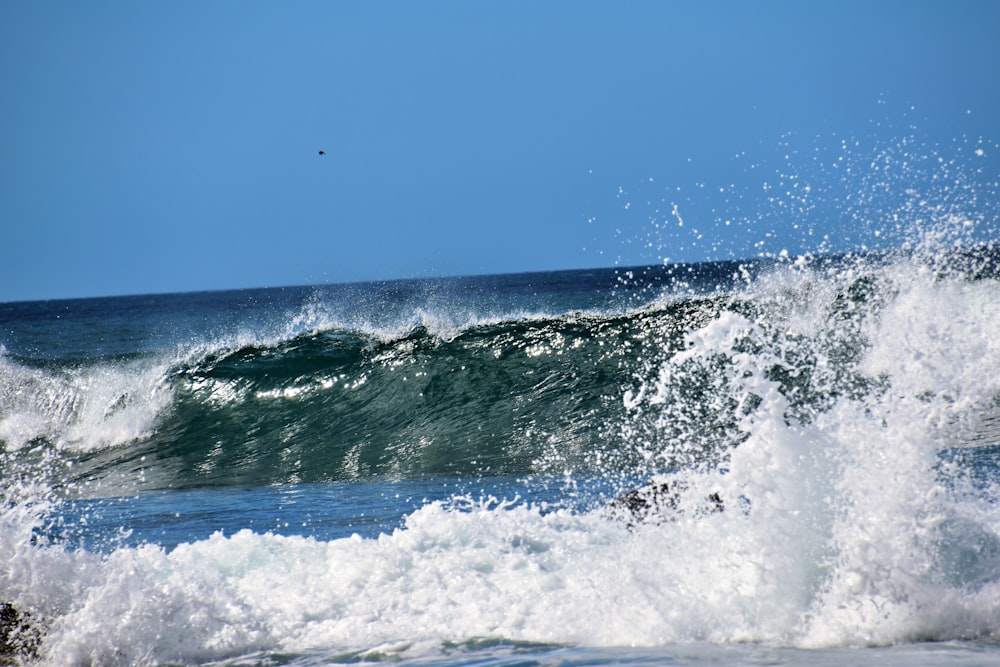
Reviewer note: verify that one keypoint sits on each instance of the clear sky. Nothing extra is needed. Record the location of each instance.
(173, 146)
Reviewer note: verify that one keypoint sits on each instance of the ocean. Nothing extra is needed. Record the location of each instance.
(780, 461)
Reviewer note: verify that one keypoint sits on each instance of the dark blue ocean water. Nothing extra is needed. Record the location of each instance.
(425, 472)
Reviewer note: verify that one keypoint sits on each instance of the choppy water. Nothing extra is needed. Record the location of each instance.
(421, 471)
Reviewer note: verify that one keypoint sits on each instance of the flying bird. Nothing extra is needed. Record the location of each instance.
(322, 152)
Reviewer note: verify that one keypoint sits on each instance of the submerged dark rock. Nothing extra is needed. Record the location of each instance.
(659, 502)
(19, 635)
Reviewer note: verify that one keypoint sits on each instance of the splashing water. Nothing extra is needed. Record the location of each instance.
(278, 496)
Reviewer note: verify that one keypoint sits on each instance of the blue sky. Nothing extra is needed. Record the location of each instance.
(158, 147)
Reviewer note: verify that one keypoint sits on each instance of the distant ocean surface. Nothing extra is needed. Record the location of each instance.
(424, 472)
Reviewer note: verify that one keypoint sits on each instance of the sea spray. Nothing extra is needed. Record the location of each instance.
(838, 408)
(428, 470)
(845, 522)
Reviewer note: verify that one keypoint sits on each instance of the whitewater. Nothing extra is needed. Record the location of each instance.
(429, 472)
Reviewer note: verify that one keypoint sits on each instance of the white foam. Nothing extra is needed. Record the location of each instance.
(514, 574)
(102, 405)
(852, 518)
(840, 529)
(771, 574)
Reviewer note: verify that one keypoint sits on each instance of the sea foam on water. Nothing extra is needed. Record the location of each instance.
(812, 422)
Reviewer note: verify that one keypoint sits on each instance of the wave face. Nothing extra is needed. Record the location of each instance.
(423, 470)
(303, 391)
